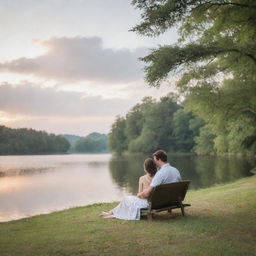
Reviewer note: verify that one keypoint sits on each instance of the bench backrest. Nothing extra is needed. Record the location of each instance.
(168, 194)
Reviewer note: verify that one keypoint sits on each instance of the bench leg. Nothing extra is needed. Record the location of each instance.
(182, 210)
(181, 207)
(150, 216)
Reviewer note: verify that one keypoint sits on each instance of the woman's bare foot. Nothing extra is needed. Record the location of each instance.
(105, 214)
(108, 216)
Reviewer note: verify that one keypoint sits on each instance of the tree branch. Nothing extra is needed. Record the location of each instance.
(238, 51)
(231, 3)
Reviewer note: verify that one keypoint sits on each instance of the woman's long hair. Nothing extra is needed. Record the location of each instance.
(150, 166)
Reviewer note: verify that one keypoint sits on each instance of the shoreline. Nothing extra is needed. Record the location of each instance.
(124, 154)
(28, 217)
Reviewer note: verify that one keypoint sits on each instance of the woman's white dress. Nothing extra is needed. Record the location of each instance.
(129, 208)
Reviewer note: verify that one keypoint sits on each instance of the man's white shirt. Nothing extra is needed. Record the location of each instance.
(166, 174)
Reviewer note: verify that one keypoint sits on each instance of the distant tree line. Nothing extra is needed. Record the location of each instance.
(29, 141)
(92, 143)
(155, 124)
(165, 124)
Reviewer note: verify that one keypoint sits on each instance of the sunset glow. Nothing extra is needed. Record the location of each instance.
(71, 72)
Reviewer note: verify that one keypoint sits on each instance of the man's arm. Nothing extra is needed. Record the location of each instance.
(145, 193)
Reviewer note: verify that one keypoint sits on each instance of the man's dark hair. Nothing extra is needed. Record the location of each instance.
(160, 155)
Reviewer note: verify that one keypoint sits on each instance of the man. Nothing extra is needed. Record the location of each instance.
(166, 173)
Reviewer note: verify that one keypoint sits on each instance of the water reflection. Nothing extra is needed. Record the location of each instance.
(126, 171)
(31, 185)
(202, 171)
(61, 182)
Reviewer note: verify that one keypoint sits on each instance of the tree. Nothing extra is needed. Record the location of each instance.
(215, 59)
(117, 137)
(135, 118)
(29, 141)
(230, 114)
(156, 130)
(153, 124)
(185, 128)
(92, 143)
(61, 144)
(205, 141)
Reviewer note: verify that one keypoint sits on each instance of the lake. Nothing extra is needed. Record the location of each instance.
(31, 185)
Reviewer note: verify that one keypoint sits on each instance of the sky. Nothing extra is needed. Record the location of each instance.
(71, 66)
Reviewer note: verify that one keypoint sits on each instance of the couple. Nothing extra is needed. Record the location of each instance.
(129, 207)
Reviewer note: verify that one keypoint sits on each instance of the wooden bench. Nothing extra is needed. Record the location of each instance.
(166, 197)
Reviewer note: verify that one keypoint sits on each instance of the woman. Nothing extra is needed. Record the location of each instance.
(150, 170)
(129, 207)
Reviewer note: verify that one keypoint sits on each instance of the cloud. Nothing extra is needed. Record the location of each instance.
(80, 58)
(32, 100)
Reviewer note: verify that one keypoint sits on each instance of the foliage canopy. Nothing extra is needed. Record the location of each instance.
(215, 59)
(29, 141)
(152, 124)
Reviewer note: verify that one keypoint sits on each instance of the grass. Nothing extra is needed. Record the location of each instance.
(221, 221)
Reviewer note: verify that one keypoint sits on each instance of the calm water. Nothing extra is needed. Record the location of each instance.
(31, 185)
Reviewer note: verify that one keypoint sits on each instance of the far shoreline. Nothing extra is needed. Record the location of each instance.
(225, 155)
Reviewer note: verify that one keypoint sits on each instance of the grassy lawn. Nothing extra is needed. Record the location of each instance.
(221, 221)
